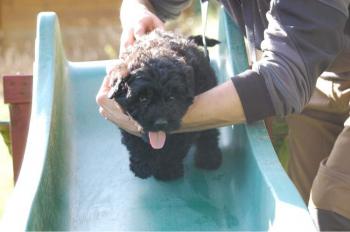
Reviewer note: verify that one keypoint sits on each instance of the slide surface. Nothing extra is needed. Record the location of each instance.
(75, 174)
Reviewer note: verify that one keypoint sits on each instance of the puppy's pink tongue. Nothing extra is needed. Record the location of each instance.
(157, 139)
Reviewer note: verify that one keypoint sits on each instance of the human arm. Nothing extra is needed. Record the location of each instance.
(299, 45)
(217, 107)
(302, 39)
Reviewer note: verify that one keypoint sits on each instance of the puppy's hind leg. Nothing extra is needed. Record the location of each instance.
(208, 155)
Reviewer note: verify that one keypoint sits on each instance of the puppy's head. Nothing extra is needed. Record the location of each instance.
(157, 94)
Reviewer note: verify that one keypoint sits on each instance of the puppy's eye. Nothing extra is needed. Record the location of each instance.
(145, 95)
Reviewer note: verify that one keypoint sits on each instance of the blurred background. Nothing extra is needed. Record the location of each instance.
(90, 31)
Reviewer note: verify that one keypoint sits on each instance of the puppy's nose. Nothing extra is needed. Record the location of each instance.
(161, 123)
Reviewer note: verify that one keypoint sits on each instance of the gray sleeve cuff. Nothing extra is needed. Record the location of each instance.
(169, 9)
(255, 99)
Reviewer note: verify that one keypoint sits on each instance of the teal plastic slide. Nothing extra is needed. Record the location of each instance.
(75, 174)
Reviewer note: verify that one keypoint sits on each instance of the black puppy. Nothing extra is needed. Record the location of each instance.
(166, 72)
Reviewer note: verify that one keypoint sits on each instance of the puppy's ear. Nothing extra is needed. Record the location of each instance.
(119, 89)
(198, 39)
(117, 71)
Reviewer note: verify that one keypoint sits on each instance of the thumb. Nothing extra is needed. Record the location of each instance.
(158, 23)
(139, 30)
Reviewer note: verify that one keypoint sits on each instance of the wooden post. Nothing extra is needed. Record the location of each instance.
(18, 94)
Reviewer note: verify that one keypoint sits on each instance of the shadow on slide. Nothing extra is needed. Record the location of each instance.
(75, 174)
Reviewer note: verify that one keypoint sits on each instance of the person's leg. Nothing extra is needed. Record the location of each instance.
(330, 194)
(319, 134)
(326, 220)
(311, 135)
(310, 140)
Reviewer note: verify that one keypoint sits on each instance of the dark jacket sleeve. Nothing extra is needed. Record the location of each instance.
(169, 9)
(301, 41)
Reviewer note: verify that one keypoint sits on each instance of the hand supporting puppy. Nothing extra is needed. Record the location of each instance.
(134, 25)
(109, 109)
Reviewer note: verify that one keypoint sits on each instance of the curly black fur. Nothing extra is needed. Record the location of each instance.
(166, 71)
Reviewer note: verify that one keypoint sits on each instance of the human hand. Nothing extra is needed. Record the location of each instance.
(109, 108)
(137, 19)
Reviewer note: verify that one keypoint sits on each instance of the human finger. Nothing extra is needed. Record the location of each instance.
(158, 23)
(139, 30)
(102, 92)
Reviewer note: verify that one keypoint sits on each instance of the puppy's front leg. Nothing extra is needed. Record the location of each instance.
(208, 155)
(142, 157)
(170, 161)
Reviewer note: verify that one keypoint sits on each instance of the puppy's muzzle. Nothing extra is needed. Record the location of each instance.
(160, 124)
